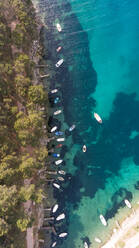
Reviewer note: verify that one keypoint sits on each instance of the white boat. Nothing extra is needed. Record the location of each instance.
(58, 161)
(60, 217)
(56, 185)
(58, 112)
(55, 207)
(59, 63)
(97, 117)
(97, 240)
(84, 148)
(61, 179)
(58, 49)
(61, 172)
(72, 128)
(54, 129)
(58, 27)
(60, 139)
(104, 222)
(62, 235)
(128, 204)
(54, 91)
(86, 245)
(54, 244)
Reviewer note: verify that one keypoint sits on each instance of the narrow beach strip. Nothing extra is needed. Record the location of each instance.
(123, 235)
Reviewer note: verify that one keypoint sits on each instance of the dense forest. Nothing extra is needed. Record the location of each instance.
(22, 152)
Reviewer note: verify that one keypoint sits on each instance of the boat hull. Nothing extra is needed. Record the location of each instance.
(98, 118)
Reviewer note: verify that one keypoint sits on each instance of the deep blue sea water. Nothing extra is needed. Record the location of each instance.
(100, 73)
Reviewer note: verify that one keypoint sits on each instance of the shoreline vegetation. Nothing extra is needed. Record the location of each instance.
(23, 135)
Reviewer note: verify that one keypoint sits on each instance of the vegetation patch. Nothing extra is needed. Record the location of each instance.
(21, 123)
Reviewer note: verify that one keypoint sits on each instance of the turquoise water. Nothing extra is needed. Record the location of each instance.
(100, 73)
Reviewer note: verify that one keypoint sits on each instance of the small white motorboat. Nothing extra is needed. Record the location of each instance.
(62, 235)
(55, 207)
(128, 204)
(54, 91)
(97, 117)
(84, 148)
(86, 245)
(72, 128)
(61, 179)
(61, 172)
(58, 112)
(54, 244)
(56, 185)
(58, 27)
(54, 129)
(103, 221)
(59, 63)
(97, 240)
(60, 217)
(60, 139)
(59, 48)
(58, 161)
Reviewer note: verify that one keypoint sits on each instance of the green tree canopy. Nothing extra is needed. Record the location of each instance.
(8, 167)
(41, 155)
(29, 128)
(8, 198)
(32, 121)
(26, 192)
(28, 166)
(36, 94)
(4, 227)
(18, 35)
(23, 64)
(23, 223)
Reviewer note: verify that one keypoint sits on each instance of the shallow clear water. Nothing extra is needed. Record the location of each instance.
(100, 73)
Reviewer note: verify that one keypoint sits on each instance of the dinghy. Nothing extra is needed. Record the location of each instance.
(86, 245)
(58, 49)
(60, 217)
(58, 161)
(58, 133)
(56, 155)
(54, 244)
(103, 221)
(58, 112)
(55, 207)
(61, 179)
(53, 129)
(60, 139)
(72, 128)
(97, 240)
(84, 148)
(56, 185)
(128, 204)
(56, 100)
(59, 63)
(59, 145)
(62, 235)
(61, 172)
(97, 117)
(54, 91)
(58, 27)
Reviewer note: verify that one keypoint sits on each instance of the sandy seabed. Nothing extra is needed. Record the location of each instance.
(127, 235)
